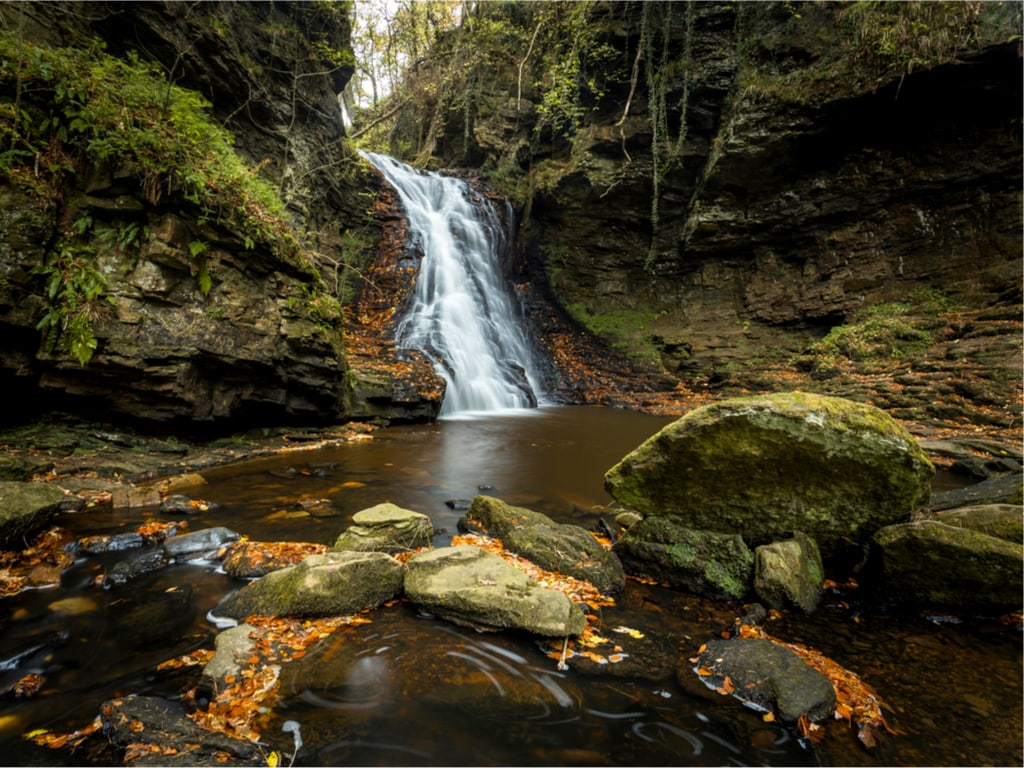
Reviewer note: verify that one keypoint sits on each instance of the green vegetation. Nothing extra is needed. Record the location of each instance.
(627, 330)
(71, 109)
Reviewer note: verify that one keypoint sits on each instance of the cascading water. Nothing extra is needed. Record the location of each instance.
(463, 315)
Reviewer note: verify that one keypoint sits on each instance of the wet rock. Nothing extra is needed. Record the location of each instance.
(459, 505)
(789, 573)
(118, 542)
(471, 587)
(183, 505)
(24, 509)
(199, 544)
(716, 565)
(769, 465)
(139, 564)
(765, 675)
(234, 647)
(930, 563)
(386, 528)
(149, 721)
(996, 490)
(567, 549)
(331, 584)
(252, 559)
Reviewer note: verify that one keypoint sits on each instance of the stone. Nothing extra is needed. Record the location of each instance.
(386, 528)
(929, 563)
(567, 549)
(198, 544)
(994, 490)
(789, 573)
(715, 565)
(232, 649)
(471, 587)
(24, 509)
(331, 584)
(765, 675)
(769, 465)
(251, 559)
(136, 565)
(1004, 521)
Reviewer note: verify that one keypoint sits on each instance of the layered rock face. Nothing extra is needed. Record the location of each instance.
(766, 173)
(198, 325)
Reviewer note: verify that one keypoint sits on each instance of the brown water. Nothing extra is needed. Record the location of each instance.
(410, 690)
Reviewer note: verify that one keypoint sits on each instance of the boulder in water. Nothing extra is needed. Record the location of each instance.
(386, 528)
(933, 564)
(567, 549)
(769, 465)
(789, 573)
(716, 565)
(331, 584)
(471, 587)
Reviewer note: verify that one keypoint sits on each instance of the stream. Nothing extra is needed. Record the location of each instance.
(406, 689)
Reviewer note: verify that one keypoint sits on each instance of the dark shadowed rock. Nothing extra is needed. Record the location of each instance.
(764, 674)
(769, 465)
(568, 549)
(930, 563)
(198, 544)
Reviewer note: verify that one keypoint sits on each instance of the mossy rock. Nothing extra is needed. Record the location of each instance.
(766, 466)
(386, 528)
(24, 509)
(929, 563)
(567, 549)
(716, 565)
(330, 584)
(789, 573)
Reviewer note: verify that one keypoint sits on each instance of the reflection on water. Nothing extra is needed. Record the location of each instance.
(411, 690)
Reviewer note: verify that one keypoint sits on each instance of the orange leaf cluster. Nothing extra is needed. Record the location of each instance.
(271, 555)
(236, 710)
(44, 738)
(856, 701)
(41, 563)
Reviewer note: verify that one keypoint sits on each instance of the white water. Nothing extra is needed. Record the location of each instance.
(463, 315)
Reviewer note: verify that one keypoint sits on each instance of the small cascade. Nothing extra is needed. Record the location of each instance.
(463, 316)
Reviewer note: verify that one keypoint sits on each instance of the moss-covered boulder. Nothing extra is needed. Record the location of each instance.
(930, 563)
(1004, 521)
(567, 549)
(766, 466)
(471, 587)
(789, 573)
(716, 565)
(330, 584)
(24, 509)
(386, 528)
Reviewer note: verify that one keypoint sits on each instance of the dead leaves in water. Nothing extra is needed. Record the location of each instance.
(40, 564)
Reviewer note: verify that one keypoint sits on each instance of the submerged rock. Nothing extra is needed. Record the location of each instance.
(768, 465)
(471, 587)
(331, 584)
(386, 528)
(930, 563)
(567, 549)
(716, 565)
(789, 573)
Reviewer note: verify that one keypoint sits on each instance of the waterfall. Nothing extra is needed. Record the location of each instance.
(463, 315)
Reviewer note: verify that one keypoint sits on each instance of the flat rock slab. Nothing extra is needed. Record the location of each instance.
(386, 528)
(471, 587)
(330, 584)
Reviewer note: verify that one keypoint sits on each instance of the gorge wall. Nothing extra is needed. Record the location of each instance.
(199, 320)
(800, 177)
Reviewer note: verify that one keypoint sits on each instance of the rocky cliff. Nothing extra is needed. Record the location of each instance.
(752, 177)
(184, 304)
